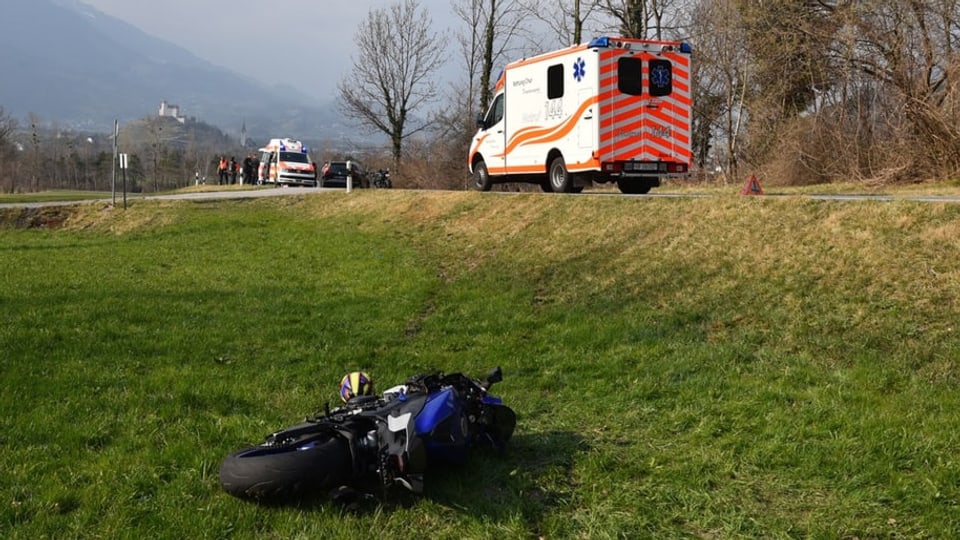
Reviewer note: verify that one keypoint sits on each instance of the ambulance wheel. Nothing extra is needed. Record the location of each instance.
(481, 177)
(560, 180)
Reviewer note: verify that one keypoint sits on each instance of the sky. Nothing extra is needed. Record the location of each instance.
(310, 39)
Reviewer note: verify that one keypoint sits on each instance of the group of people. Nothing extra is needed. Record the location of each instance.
(227, 171)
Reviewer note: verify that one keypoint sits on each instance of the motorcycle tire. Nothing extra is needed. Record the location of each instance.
(265, 473)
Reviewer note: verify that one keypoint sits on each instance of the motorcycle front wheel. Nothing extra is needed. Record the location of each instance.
(267, 473)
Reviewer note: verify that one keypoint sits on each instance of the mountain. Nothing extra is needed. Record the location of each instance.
(75, 66)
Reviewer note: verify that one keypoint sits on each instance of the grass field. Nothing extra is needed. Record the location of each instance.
(718, 367)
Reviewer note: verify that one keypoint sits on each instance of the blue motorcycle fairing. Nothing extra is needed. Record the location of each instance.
(442, 425)
(439, 407)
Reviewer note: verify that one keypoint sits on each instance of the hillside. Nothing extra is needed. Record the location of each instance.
(724, 367)
(77, 67)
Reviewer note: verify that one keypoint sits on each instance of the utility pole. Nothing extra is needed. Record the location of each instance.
(113, 164)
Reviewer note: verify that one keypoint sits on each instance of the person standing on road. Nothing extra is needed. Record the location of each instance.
(266, 167)
(222, 170)
(248, 169)
(234, 167)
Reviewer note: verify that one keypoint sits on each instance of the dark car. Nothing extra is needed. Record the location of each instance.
(334, 174)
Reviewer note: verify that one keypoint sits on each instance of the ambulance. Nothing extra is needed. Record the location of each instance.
(614, 110)
(286, 162)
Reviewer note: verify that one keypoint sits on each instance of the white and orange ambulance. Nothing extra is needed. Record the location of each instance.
(286, 162)
(614, 110)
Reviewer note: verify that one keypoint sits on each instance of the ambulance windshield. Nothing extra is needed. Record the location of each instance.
(296, 157)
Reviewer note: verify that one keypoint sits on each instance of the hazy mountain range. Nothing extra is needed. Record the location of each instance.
(74, 66)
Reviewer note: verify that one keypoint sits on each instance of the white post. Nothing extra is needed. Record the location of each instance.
(349, 182)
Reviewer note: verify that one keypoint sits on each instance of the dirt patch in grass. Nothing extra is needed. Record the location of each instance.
(52, 217)
(94, 216)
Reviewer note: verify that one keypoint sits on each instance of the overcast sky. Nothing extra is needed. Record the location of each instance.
(310, 39)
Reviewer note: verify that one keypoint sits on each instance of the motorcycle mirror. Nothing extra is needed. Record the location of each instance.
(495, 376)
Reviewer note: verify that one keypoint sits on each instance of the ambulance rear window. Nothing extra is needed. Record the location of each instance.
(630, 76)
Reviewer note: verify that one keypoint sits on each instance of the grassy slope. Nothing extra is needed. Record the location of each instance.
(724, 367)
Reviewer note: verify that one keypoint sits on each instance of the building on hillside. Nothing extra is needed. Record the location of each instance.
(171, 111)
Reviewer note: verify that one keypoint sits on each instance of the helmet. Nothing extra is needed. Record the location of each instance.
(355, 384)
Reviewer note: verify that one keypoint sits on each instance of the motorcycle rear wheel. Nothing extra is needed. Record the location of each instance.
(275, 473)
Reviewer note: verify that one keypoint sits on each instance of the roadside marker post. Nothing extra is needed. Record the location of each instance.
(123, 167)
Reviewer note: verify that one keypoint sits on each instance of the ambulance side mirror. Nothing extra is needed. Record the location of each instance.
(480, 122)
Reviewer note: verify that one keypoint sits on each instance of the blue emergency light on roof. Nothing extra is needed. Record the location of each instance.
(600, 42)
(686, 48)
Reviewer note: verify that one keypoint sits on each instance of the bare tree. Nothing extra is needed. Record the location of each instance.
(8, 151)
(910, 48)
(643, 18)
(390, 84)
(721, 76)
(853, 88)
(565, 20)
(468, 45)
(492, 31)
(36, 157)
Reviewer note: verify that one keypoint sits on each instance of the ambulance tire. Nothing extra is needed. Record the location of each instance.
(481, 177)
(560, 180)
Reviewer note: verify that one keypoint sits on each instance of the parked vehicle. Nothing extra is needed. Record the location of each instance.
(286, 162)
(386, 441)
(614, 110)
(335, 173)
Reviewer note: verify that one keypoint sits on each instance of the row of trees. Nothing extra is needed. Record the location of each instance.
(804, 91)
(164, 154)
(36, 158)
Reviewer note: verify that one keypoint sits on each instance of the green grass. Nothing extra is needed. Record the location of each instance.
(705, 368)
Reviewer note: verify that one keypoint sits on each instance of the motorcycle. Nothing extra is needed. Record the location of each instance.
(381, 179)
(387, 441)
